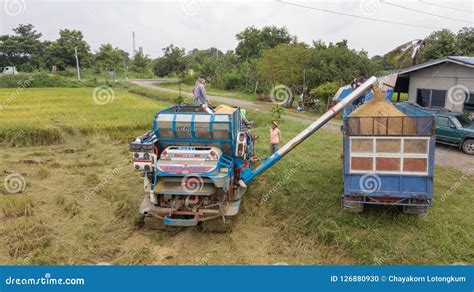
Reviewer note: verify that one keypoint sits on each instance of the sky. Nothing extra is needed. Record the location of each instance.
(202, 24)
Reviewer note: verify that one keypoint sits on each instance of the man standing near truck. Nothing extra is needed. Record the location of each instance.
(275, 137)
(200, 95)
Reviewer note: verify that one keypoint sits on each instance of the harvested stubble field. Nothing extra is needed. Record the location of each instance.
(81, 196)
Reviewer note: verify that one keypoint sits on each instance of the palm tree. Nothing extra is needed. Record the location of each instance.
(407, 54)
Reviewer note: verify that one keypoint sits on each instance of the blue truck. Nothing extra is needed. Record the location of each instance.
(389, 160)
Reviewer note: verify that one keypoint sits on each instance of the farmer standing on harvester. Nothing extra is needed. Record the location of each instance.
(200, 95)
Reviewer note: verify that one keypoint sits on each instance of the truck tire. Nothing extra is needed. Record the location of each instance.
(151, 222)
(217, 225)
(468, 146)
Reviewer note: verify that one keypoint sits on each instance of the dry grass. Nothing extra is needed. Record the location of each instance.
(26, 235)
(16, 205)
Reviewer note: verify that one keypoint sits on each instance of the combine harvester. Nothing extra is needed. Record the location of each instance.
(197, 166)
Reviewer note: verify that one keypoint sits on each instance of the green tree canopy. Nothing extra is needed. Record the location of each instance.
(108, 57)
(253, 40)
(172, 61)
(288, 62)
(61, 52)
(465, 41)
(23, 49)
(140, 62)
(441, 43)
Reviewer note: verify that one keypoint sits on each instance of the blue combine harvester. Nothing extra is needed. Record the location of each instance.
(389, 160)
(196, 166)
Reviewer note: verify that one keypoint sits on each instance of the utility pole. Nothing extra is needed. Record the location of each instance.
(77, 64)
(125, 66)
(133, 37)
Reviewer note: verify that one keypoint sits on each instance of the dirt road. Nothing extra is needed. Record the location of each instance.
(444, 156)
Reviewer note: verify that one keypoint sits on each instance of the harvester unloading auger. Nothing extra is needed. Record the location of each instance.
(197, 166)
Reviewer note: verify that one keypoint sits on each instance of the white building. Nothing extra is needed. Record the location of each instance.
(446, 83)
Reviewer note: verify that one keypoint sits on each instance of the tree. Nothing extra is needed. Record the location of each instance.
(140, 62)
(439, 44)
(288, 62)
(465, 41)
(62, 52)
(336, 62)
(172, 61)
(108, 57)
(382, 63)
(253, 40)
(24, 49)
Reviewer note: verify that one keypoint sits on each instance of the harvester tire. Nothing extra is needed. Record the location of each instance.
(217, 225)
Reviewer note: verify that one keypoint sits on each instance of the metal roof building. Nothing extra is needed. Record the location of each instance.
(447, 83)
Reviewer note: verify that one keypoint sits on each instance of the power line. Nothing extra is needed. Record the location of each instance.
(358, 16)
(447, 7)
(424, 12)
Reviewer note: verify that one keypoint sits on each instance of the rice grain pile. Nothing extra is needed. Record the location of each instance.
(380, 117)
(224, 109)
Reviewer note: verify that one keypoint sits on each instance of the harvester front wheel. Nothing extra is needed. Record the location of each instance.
(218, 225)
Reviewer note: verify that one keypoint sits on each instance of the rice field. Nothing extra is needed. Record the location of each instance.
(78, 198)
(43, 116)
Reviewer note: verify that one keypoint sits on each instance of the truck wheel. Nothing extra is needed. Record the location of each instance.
(468, 146)
(151, 222)
(217, 225)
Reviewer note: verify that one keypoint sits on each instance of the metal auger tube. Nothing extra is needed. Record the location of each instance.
(249, 176)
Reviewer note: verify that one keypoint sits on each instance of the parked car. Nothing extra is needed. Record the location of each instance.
(454, 129)
(9, 70)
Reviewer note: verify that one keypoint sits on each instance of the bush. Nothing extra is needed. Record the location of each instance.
(233, 80)
(324, 91)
